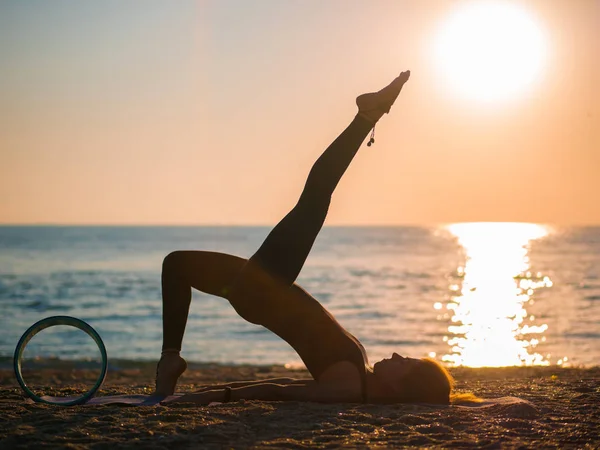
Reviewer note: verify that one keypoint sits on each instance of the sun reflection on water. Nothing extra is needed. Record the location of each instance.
(490, 325)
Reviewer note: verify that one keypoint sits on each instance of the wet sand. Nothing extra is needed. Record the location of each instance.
(564, 412)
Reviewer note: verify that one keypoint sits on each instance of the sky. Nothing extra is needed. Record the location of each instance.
(212, 112)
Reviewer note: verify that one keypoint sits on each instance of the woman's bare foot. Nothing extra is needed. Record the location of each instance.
(373, 105)
(169, 369)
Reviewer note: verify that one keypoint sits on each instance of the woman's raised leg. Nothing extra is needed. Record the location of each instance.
(286, 248)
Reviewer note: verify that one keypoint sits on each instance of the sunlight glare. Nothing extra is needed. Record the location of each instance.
(487, 328)
(489, 50)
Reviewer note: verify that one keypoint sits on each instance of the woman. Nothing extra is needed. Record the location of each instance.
(262, 291)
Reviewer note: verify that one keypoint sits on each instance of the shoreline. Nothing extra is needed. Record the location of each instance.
(561, 409)
(6, 362)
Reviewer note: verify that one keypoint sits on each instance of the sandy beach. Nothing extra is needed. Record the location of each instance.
(562, 410)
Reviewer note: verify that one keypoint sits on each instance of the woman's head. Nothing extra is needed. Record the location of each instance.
(413, 380)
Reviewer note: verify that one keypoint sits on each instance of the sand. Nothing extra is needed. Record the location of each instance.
(564, 412)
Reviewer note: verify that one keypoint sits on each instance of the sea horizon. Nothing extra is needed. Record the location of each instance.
(250, 225)
(471, 294)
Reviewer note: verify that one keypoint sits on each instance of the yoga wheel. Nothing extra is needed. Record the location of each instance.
(51, 322)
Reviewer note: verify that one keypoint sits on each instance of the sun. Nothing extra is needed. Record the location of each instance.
(490, 50)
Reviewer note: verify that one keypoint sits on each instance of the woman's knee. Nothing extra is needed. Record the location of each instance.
(174, 263)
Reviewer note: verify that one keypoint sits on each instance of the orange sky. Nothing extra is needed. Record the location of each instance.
(188, 112)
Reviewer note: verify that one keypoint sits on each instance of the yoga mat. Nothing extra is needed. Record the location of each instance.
(131, 400)
(152, 400)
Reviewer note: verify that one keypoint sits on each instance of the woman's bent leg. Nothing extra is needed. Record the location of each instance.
(208, 272)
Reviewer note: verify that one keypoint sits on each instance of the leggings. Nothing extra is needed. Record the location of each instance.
(287, 246)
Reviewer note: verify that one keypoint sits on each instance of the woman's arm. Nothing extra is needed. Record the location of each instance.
(238, 384)
(302, 392)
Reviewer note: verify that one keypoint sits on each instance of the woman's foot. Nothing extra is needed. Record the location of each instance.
(169, 369)
(375, 104)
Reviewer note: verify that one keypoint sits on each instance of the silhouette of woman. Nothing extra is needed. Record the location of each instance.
(262, 290)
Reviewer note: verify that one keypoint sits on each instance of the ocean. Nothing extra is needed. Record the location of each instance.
(473, 294)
